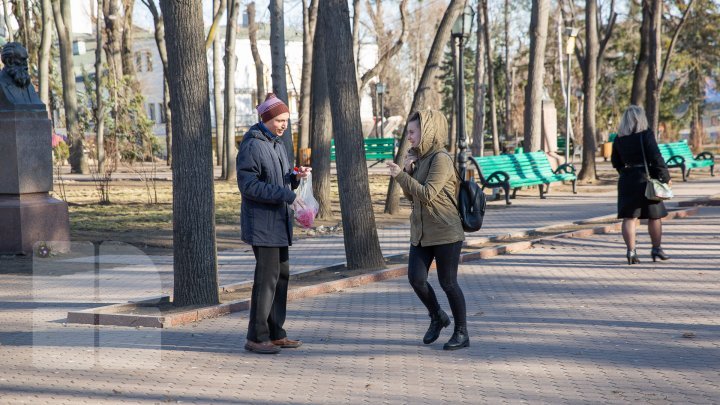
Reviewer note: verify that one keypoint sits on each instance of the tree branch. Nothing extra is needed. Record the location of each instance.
(215, 24)
(661, 80)
(606, 37)
(390, 52)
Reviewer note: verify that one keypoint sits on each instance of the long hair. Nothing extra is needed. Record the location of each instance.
(633, 121)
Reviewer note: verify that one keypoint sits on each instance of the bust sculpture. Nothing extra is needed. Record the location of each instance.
(16, 89)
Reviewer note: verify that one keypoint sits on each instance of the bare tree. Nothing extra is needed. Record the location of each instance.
(478, 129)
(8, 25)
(356, 30)
(127, 39)
(536, 71)
(391, 51)
(362, 246)
(309, 24)
(218, 11)
(508, 78)
(99, 108)
(321, 126)
(656, 74)
(426, 86)
(229, 165)
(640, 74)
(162, 50)
(592, 60)
(194, 246)
(277, 51)
(113, 40)
(219, 6)
(259, 66)
(44, 57)
(489, 56)
(61, 12)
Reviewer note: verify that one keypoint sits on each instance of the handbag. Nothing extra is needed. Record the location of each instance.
(655, 190)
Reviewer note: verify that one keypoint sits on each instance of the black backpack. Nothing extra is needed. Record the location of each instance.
(470, 203)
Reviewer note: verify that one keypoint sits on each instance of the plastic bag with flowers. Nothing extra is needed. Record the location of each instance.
(306, 212)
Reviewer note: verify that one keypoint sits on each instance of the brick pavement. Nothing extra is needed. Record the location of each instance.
(131, 274)
(565, 322)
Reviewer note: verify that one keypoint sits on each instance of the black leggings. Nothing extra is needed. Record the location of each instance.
(447, 258)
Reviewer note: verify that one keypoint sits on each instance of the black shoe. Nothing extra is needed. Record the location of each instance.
(459, 339)
(658, 252)
(438, 321)
(632, 257)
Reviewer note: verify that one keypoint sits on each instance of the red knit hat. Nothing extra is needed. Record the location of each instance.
(271, 107)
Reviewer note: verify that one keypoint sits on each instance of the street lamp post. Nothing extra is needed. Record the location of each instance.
(569, 50)
(380, 90)
(460, 32)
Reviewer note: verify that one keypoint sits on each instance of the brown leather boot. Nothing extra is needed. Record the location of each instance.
(286, 343)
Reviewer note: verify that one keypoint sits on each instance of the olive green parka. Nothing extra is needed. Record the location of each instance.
(432, 186)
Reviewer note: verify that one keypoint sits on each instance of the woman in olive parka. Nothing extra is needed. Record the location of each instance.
(430, 182)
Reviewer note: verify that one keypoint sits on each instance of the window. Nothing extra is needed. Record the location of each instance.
(148, 61)
(138, 61)
(162, 112)
(151, 112)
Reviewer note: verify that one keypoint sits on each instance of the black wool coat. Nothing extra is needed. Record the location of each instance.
(627, 159)
(266, 183)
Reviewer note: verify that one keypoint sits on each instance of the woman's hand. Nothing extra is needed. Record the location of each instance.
(394, 169)
(302, 172)
(409, 160)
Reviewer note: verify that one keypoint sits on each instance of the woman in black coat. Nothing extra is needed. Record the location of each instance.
(627, 159)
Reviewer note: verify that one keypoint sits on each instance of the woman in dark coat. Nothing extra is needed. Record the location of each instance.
(627, 158)
(266, 181)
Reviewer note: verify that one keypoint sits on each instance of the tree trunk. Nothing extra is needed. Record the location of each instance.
(478, 129)
(309, 23)
(362, 246)
(536, 72)
(44, 59)
(640, 75)
(128, 56)
(508, 80)
(590, 70)
(491, 81)
(321, 126)
(162, 50)
(356, 30)
(8, 27)
(194, 247)
(99, 108)
(277, 52)
(230, 64)
(259, 66)
(426, 86)
(218, 89)
(113, 40)
(652, 101)
(78, 160)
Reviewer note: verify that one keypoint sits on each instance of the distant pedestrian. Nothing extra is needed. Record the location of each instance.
(430, 182)
(635, 139)
(266, 181)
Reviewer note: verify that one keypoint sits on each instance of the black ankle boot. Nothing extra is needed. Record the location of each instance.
(459, 339)
(657, 252)
(632, 257)
(438, 321)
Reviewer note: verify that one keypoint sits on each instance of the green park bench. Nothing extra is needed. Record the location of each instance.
(379, 149)
(522, 170)
(678, 154)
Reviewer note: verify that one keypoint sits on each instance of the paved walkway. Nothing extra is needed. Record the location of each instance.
(565, 322)
(127, 273)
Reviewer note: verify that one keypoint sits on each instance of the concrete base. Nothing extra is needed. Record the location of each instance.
(30, 218)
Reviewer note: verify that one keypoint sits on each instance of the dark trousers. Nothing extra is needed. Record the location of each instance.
(447, 258)
(269, 294)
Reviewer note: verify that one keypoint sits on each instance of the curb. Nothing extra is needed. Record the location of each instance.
(108, 315)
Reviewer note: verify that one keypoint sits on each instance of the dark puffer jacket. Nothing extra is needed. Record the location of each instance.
(266, 182)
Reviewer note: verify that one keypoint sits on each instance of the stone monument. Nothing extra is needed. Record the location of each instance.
(27, 212)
